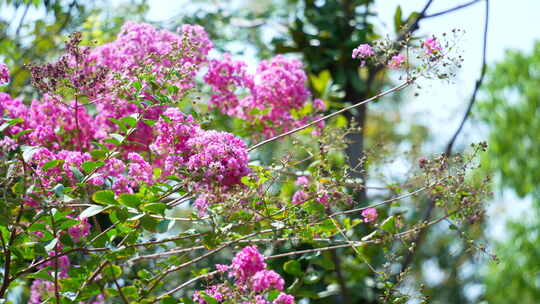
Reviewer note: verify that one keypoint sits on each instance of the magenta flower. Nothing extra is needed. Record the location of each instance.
(284, 298)
(319, 105)
(431, 46)
(80, 230)
(363, 51)
(246, 263)
(267, 279)
(324, 199)
(277, 87)
(396, 62)
(370, 215)
(302, 181)
(4, 74)
(300, 197)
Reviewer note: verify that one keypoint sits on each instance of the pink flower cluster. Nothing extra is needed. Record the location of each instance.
(140, 44)
(45, 118)
(363, 52)
(51, 176)
(42, 290)
(251, 278)
(209, 159)
(318, 192)
(370, 215)
(431, 46)
(396, 62)
(4, 74)
(80, 230)
(274, 91)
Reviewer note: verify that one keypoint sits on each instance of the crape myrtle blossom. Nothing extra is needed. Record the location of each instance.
(431, 46)
(246, 263)
(396, 62)
(79, 230)
(370, 215)
(4, 74)
(302, 181)
(252, 279)
(141, 45)
(45, 117)
(363, 52)
(273, 92)
(208, 159)
(319, 105)
(211, 161)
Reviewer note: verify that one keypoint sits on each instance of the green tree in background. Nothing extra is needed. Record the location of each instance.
(511, 108)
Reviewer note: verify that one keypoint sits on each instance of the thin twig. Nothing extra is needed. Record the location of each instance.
(431, 206)
(264, 142)
(450, 10)
(477, 85)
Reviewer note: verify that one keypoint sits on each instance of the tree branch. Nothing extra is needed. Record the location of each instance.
(397, 88)
(431, 206)
(477, 86)
(450, 10)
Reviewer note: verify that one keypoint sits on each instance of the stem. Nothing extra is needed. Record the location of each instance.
(124, 299)
(7, 254)
(450, 10)
(264, 142)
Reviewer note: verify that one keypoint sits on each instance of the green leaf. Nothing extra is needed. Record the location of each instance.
(120, 124)
(129, 121)
(144, 274)
(77, 173)
(112, 271)
(389, 225)
(89, 166)
(105, 197)
(130, 291)
(398, 23)
(155, 208)
(137, 85)
(10, 122)
(130, 200)
(18, 188)
(312, 278)
(293, 267)
(208, 298)
(164, 226)
(28, 152)
(52, 164)
(169, 300)
(91, 211)
(272, 295)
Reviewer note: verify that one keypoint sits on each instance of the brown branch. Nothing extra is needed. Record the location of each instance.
(264, 142)
(477, 85)
(450, 10)
(430, 208)
(124, 299)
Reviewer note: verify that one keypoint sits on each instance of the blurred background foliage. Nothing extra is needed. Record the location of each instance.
(510, 107)
(323, 34)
